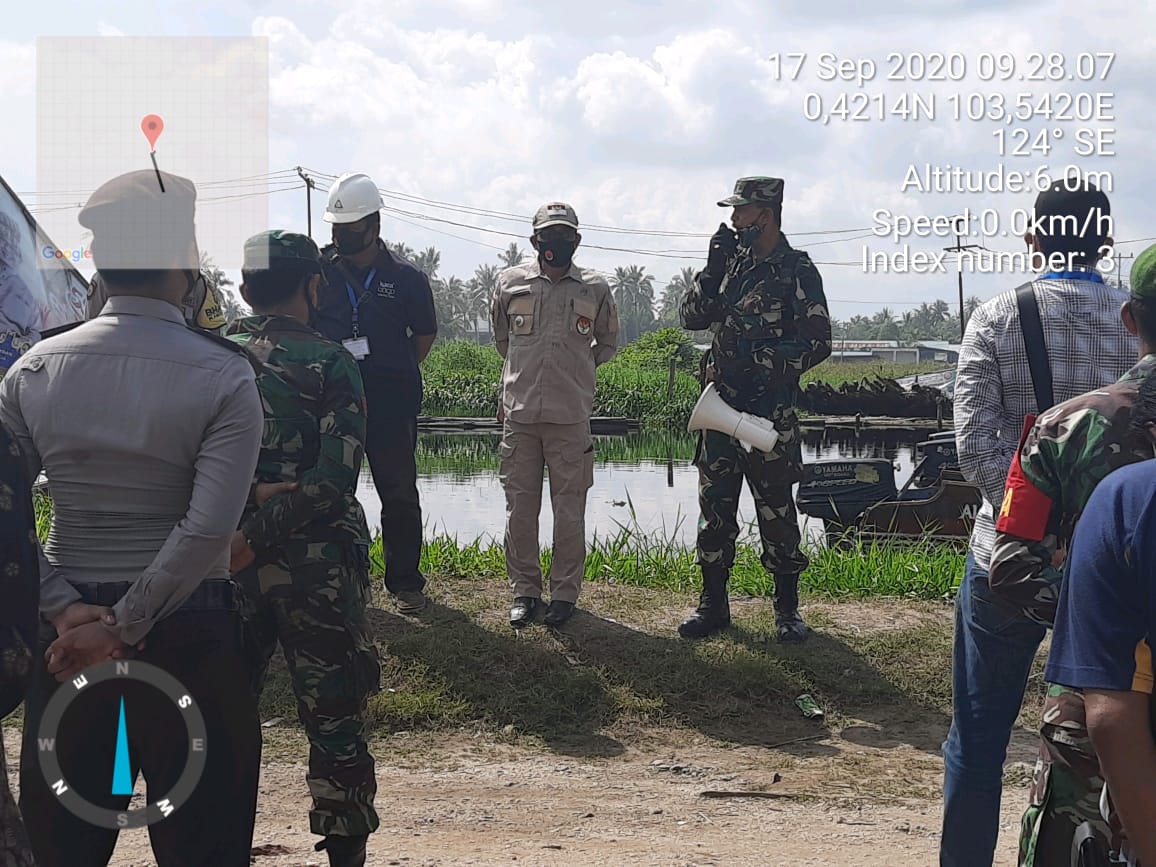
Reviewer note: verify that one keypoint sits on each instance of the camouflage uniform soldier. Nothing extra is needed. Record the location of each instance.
(764, 302)
(301, 554)
(1062, 458)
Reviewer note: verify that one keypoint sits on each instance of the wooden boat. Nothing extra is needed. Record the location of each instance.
(858, 498)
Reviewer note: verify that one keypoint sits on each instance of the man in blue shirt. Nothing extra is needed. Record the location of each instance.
(381, 308)
(1104, 634)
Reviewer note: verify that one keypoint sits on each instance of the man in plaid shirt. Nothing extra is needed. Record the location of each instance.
(1087, 347)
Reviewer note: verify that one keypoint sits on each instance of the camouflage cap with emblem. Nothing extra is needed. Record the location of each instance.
(1143, 276)
(136, 226)
(763, 191)
(277, 248)
(555, 214)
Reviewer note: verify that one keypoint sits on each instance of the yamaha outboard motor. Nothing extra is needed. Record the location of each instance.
(839, 491)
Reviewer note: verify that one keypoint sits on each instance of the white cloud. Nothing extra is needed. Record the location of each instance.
(644, 116)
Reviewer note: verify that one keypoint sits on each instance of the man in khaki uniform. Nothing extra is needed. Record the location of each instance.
(553, 323)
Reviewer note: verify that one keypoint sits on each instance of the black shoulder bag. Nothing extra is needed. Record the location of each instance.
(1033, 331)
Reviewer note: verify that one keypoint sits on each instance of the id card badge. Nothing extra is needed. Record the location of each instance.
(358, 347)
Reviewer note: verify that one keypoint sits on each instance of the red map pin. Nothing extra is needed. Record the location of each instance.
(152, 126)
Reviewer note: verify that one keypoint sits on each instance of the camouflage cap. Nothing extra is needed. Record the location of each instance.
(755, 191)
(1143, 277)
(555, 214)
(136, 225)
(278, 247)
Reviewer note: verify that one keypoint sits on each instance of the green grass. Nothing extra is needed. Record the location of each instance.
(619, 670)
(633, 558)
(463, 379)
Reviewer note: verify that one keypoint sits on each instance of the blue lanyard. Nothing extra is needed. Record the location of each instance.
(355, 302)
(1087, 276)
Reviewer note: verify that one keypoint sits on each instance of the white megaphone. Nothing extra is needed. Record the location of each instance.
(713, 413)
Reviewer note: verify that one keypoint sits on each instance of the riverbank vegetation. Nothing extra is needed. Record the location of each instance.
(632, 557)
(462, 379)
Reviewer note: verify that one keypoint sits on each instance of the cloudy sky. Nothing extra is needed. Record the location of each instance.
(642, 114)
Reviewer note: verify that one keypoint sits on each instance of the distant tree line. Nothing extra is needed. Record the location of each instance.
(936, 320)
(463, 306)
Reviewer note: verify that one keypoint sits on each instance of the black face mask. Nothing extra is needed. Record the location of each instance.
(350, 242)
(556, 252)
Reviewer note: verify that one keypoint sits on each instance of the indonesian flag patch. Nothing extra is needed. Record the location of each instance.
(1026, 509)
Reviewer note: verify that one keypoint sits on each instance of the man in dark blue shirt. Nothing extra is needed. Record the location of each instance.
(380, 307)
(1104, 634)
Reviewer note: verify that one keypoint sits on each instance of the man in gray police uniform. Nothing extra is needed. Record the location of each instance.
(148, 432)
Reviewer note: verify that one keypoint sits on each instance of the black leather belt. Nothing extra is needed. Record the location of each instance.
(212, 595)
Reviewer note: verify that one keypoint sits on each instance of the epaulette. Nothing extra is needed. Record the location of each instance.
(231, 345)
(60, 329)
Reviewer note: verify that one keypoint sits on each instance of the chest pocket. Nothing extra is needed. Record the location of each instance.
(582, 318)
(520, 311)
(771, 301)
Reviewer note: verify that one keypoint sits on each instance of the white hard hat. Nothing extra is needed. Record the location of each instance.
(353, 196)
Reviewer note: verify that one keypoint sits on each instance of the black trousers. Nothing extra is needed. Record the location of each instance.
(391, 442)
(202, 649)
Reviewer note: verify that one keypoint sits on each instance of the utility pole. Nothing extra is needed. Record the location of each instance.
(959, 248)
(1120, 268)
(308, 199)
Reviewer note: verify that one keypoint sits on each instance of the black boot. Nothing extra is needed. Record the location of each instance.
(714, 612)
(789, 623)
(344, 851)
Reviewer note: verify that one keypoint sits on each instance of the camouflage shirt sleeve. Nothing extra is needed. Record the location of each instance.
(1022, 574)
(807, 342)
(699, 311)
(321, 488)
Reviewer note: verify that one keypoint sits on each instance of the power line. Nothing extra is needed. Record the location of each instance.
(524, 219)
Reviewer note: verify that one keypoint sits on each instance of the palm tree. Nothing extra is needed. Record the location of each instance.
(479, 293)
(215, 279)
(634, 293)
(886, 328)
(858, 327)
(428, 260)
(672, 296)
(512, 255)
(401, 250)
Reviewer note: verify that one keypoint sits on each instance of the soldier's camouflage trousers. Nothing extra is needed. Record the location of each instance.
(722, 464)
(312, 598)
(1066, 785)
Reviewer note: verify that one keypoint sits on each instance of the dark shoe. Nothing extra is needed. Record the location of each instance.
(790, 627)
(409, 601)
(344, 851)
(523, 610)
(559, 612)
(714, 611)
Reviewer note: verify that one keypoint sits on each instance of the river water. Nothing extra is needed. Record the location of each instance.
(644, 482)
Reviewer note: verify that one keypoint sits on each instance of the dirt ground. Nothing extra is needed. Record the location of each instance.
(863, 790)
(474, 805)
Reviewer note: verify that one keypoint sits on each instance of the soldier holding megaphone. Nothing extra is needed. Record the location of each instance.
(764, 301)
